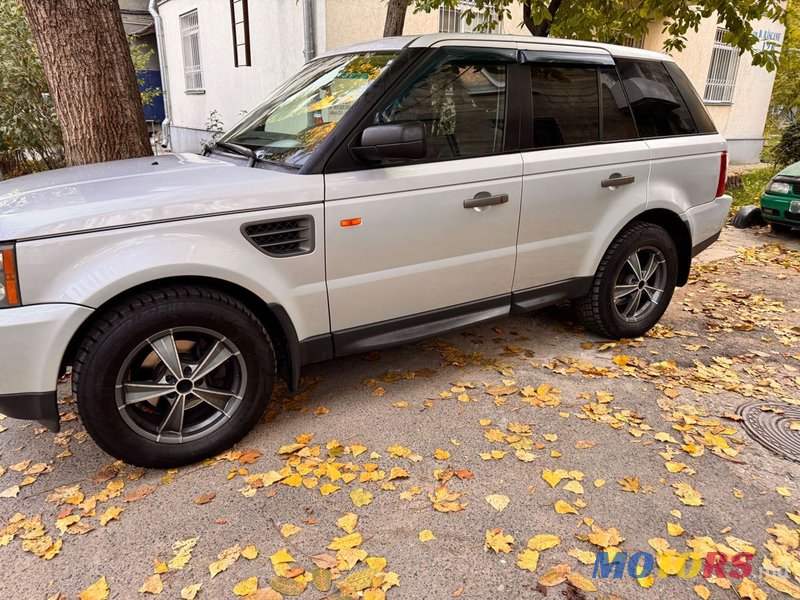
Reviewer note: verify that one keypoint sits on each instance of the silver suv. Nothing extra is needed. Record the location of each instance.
(389, 192)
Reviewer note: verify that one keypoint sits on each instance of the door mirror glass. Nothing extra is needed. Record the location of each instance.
(392, 141)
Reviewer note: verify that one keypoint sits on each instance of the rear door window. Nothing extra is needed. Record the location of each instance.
(565, 106)
(578, 104)
(658, 106)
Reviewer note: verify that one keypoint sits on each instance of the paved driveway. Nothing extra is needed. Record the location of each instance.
(486, 443)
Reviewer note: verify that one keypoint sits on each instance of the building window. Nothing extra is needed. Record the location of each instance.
(452, 20)
(633, 41)
(240, 22)
(722, 71)
(190, 41)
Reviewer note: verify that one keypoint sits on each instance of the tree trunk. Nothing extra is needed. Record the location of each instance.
(395, 17)
(87, 62)
(543, 28)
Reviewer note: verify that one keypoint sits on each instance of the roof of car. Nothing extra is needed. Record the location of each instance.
(454, 39)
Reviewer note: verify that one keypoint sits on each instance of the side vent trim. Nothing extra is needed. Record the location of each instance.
(282, 238)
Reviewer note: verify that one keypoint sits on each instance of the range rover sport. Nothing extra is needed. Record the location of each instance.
(389, 192)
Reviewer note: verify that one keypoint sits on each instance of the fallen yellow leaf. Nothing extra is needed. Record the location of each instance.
(528, 560)
(326, 489)
(498, 541)
(702, 591)
(581, 582)
(282, 556)
(246, 587)
(97, 591)
(361, 497)
(348, 541)
(498, 501)
(564, 508)
(543, 541)
(426, 535)
(348, 522)
(674, 529)
(226, 558)
(152, 585)
(629, 484)
(190, 591)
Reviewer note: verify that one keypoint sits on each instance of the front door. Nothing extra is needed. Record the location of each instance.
(428, 239)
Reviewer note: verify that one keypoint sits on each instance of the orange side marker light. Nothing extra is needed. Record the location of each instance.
(350, 222)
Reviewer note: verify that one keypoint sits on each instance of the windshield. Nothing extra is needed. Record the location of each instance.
(295, 120)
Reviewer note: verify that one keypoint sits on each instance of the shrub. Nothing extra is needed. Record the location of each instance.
(788, 149)
(30, 137)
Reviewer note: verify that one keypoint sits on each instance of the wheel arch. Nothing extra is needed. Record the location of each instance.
(273, 316)
(678, 231)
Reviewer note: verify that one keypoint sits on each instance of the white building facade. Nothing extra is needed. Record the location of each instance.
(225, 56)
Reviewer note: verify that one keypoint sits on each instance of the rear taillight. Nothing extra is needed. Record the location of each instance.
(723, 173)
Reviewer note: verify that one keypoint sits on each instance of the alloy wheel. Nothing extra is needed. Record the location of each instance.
(640, 284)
(181, 385)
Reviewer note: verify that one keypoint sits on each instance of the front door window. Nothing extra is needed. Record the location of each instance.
(461, 103)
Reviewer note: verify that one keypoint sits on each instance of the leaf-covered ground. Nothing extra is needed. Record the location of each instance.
(492, 463)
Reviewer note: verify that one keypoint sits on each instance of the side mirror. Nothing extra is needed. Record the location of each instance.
(392, 141)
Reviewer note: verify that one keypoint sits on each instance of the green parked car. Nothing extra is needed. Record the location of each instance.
(780, 202)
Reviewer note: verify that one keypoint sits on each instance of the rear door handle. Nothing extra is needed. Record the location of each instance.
(485, 199)
(616, 180)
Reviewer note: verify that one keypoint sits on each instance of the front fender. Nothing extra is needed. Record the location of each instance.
(89, 269)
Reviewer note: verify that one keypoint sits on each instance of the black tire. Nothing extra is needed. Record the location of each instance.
(107, 349)
(780, 227)
(598, 311)
(747, 216)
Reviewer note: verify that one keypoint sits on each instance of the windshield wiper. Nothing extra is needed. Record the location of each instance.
(238, 149)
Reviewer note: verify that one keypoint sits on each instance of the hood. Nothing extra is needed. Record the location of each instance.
(142, 190)
(791, 170)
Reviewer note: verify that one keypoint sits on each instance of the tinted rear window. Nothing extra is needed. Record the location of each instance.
(701, 118)
(658, 106)
(617, 119)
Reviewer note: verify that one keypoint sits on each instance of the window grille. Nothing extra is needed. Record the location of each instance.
(633, 42)
(190, 41)
(451, 20)
(722, 71)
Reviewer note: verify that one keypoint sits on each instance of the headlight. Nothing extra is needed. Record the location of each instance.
(779, 187)
(9, 289)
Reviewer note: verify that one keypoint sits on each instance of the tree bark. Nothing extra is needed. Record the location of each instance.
(543, 28)
(88, 66)
(395, 17)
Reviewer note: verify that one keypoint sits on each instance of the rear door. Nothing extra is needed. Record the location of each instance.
(585, 171)
(684, 144)
(433, 234)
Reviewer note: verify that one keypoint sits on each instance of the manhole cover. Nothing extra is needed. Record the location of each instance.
(775, 426)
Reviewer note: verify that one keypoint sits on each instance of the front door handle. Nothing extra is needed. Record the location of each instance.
(485, 199)
(616, 180)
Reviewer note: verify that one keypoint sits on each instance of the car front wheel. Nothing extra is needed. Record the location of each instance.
(633, 284)
(172, 376)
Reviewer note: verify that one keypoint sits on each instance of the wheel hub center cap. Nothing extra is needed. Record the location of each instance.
(184, 386)
(640, 285)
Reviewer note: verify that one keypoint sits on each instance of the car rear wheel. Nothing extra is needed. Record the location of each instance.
(779, 227)
(172, 376)
(633, 284)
